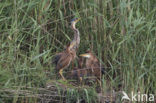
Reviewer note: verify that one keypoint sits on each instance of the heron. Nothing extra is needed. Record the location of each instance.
(64, 58)
(93, 65)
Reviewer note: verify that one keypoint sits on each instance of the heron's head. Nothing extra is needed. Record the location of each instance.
(74, 21)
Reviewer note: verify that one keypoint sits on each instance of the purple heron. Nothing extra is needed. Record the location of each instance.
(63, 59)
(93, 65)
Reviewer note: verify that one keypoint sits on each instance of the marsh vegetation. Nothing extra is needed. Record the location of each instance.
(121, 33)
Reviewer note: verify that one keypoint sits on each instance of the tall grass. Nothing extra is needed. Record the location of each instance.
(122, 33)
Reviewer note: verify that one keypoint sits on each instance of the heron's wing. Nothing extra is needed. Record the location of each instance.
(56, 58)
(64, 61)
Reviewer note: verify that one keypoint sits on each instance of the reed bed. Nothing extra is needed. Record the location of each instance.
(122, 34)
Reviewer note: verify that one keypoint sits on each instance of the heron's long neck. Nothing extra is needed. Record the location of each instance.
(76, 34)
(76, 39)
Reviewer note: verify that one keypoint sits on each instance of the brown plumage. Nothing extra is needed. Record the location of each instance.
(63, 59)
(93, 65)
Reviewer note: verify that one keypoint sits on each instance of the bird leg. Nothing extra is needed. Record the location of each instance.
(61, 73)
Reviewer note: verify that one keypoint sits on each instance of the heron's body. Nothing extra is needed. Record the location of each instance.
(93, 65)
(63, 59)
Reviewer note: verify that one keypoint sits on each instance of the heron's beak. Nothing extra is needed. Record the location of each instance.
(85, 55)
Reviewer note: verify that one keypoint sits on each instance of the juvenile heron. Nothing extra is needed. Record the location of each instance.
(93, 65)
(63, 59)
